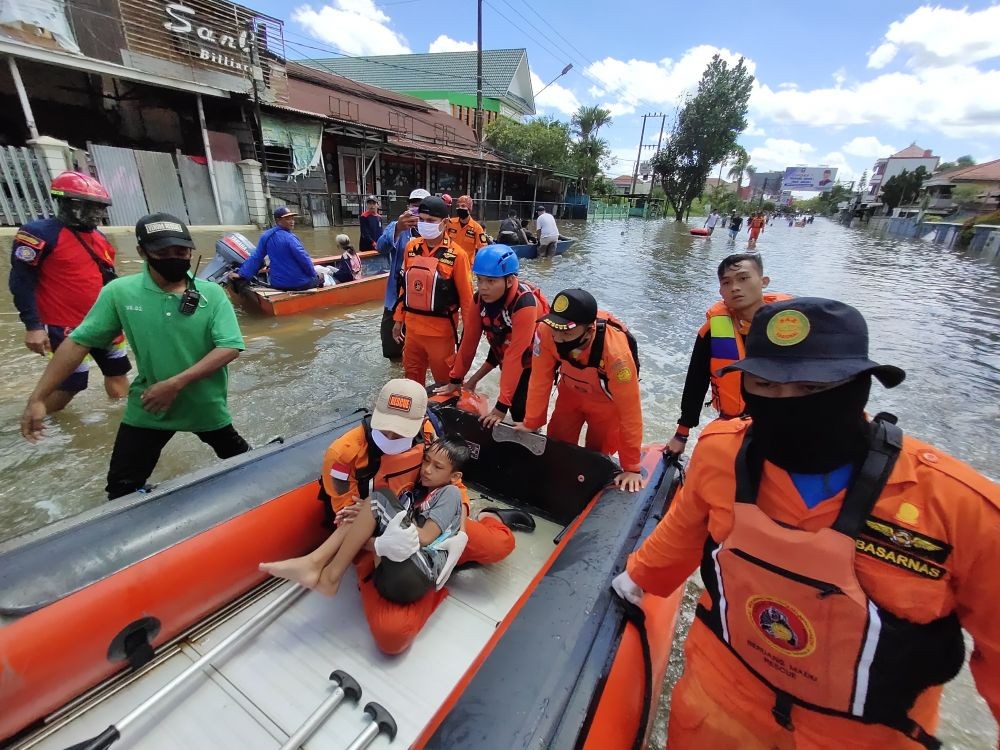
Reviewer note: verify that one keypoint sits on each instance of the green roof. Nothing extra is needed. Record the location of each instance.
(432, 71)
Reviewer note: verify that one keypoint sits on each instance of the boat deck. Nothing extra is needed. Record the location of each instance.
(258, 694)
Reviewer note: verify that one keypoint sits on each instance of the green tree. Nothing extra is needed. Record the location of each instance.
(542, 141)
(903, 188)
(740, 162)
(962, 161)
(966, 193)
(704, 132)
(602, 186)
(588, 120)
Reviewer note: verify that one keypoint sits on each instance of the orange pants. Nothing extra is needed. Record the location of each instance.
(393, 626)
(599, 414)
(717, 704)
(421, 352)
(489, 541)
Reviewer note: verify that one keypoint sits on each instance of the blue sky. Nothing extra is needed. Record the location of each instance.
(838, 86)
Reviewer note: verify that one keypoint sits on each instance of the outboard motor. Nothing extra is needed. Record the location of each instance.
(230, 252)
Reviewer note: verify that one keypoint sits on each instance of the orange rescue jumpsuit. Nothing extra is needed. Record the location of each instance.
(606, 398)
(929, 497)
(431, 338)
(469, 236)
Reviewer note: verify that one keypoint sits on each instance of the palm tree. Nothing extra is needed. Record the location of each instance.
(588, 120)
(740, 162)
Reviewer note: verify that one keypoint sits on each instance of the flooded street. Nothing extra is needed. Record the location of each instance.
(934, 312)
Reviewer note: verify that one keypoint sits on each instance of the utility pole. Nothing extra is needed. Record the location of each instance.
(479, 75)
(642, 137)
(659, 142)
(638, 157)
(257, 83)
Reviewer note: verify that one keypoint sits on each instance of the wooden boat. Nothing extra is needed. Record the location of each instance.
(268, 301)
(529, 252)
(100, 611)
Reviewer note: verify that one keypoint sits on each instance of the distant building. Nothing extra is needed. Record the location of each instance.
(447, 80)
(910, 158)
(940, 188)
(623, 185)
(713, 182)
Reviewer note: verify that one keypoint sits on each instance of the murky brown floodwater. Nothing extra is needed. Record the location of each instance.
(934, 312)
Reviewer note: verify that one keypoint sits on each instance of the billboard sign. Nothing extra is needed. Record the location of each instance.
(816, 179)
(767, 182)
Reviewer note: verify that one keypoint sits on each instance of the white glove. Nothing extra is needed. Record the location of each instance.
(454, 546)
(626, 588)
(396, 543)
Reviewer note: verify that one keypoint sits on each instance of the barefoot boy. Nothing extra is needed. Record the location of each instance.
(407, 531)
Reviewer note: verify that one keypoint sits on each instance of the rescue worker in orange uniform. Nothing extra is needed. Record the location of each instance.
(509, 311)
(754, 227)
(841, 558)
(598, 382)
(720, 343)
(435, 287)
(464, 231)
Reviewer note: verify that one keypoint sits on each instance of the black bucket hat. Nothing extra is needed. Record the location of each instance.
(810, 339)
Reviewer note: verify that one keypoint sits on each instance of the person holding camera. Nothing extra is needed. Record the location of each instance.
(183, 332)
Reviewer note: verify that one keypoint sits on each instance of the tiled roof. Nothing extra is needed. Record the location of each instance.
(986, 172)
(450, 71)
(913, 150)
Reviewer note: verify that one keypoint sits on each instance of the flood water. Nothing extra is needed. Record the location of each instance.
(934, 312)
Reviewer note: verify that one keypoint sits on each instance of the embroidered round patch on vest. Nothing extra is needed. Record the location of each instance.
(560, 304)
(781, 625)
(27, 254)
(787, 328)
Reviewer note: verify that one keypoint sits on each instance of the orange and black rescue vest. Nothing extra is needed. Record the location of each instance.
(726, 348)
(428, 286)
(593, 372)
(497, 328)
(787, 603)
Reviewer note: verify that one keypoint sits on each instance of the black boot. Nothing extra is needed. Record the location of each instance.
(513, 519)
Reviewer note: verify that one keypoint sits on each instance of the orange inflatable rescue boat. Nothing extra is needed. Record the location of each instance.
(147, 623)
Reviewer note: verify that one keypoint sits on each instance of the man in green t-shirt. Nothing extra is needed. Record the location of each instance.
(183, 332)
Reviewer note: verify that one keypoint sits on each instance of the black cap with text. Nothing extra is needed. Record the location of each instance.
(157, 232)
(571, 308)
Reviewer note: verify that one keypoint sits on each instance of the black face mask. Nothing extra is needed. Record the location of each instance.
(812, 434)
(172, 269)
(566, 348)
(462, 213)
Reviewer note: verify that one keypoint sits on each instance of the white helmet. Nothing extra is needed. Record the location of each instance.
(419, 194)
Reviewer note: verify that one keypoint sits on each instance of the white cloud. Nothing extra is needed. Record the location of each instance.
(445, 43)
(868, 146)
(662, 83)
(845, 171)
(753, 130)
(617, 109)
(778, 153)
(356, 27)
(901, 100)
(883, 55)
(554, 97)
(941, 36)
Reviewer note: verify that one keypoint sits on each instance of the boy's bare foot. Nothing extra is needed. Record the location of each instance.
(327, 587)
(298, 570)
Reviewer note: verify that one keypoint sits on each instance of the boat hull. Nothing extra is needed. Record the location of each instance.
(530, 252)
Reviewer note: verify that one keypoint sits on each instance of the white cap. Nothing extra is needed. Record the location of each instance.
(419, 194)
(400, 408)
(343, 239)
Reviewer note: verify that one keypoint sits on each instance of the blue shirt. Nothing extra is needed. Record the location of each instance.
(394, 248)
(815, 488)
(371, 228)
(291, 267)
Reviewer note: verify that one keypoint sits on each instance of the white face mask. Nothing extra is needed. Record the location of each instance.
(389, 446)
(428, 230)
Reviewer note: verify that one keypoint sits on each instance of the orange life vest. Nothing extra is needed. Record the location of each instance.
(788, 604)
(428, 286)
(497, 328)
(397, 473)
(727, 348)
(591, 376)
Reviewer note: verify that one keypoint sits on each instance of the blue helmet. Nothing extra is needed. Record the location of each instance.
(495, 261)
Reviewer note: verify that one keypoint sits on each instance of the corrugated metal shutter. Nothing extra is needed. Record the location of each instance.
(160, 183)
(197, 191)
(118, 172)
(232, 193)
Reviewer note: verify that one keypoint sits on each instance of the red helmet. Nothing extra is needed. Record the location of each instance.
(465, 200)
(80, 186)
(446, 198)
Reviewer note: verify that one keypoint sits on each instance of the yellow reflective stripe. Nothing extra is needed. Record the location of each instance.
(721, 327)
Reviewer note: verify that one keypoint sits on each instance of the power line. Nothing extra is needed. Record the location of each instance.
(556, 32)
